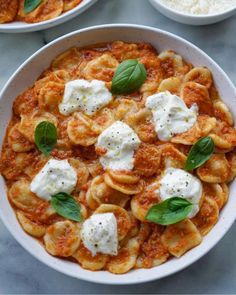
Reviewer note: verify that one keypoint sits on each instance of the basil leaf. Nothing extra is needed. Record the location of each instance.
(66, 206)
(30, 5)
(200, 152)
(45, 137)
(129, 77)
(169, 211)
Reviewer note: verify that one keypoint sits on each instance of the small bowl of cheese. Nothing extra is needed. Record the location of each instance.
(196, 12)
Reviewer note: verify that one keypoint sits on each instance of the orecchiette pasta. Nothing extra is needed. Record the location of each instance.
(171, 84)
(194, 93)
(215, 170)
(180, 237)
(17, 141)
(101, 68)
(199, 75)
(207, 216)
(62, 238)
(114, 202)
(67, 60)
(99, 192)
(141, 123)
(223, 135)
(147, 160)
(141, 202)
(31, 227)
(127, 186)
(22, 197)
(126, 258)
(218, 192)
(154, 252)
(85, 258)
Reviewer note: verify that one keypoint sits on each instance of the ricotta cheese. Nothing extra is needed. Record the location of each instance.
(99, 234)
(170, 114)
(179, 183)
(200, 6)
(85, 96)
(119, 142)
(55, 177)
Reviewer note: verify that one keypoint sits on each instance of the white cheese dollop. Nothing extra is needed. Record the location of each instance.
(99, 234)
(55, 177)
(119, 141)
(82, 95)
(170, 114)
(179, 183)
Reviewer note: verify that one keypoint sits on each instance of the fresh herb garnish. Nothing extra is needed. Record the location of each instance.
(45, 137)
(200, 152)
(169, 211)
(66, 206)
(129, 77)
(31, 5)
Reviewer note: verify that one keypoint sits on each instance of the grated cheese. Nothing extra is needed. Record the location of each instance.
(198, 7)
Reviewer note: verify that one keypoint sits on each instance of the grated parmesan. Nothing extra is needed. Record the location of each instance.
(198, 7)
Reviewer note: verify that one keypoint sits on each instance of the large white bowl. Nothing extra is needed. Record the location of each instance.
(25, 76)
(192, 19)
(21, 27)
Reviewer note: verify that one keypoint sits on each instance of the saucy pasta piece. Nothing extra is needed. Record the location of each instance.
(194, 93)
(199, 75)
(101, 68)
(180, 237)
(99, 192)
(142, 202)
(153, 252)
(62, 238)
(215, 170)
(31, 227)
(207, 216)
(85, 258)
(126, 258)
(22, 197)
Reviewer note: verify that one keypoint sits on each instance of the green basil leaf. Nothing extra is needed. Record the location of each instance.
(30, 5)
(200, 152)
(66, 206)
(129, 77)
(169, 211)
(45, 137)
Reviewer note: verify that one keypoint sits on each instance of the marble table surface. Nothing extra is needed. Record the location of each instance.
(20, 273)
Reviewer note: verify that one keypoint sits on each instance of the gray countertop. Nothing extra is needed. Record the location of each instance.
(216, 272)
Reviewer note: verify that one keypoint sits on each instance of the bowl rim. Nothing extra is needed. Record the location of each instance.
(194, 16)
(118, 278)
(23, 27)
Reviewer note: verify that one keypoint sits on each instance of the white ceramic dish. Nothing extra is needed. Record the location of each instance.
(25, 77)
(189, 19)
(21, 27)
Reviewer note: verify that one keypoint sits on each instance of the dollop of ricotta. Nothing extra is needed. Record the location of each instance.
(179, 183)
(170, 114)
(85, 96)
(99, 234)
(119, 142)
(55, 177)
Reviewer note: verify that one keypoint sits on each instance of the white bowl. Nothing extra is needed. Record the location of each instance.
(25, 76)
(21, 27)
(190, 19)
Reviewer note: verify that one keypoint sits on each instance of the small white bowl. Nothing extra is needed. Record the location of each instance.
(22, 27)
(26, 75)
(191, 19)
